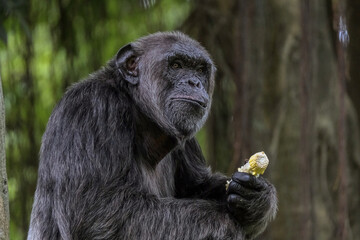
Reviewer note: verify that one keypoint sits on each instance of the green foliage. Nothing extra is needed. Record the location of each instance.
(45, 47)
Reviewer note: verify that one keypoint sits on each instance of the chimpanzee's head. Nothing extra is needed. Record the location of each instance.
(171, 79)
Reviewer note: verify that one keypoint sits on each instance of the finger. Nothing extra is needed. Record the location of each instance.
(235, 201)
(236, 188)
(249, 181)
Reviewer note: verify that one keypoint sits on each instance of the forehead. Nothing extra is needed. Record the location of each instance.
(174, 44)
(186, 51)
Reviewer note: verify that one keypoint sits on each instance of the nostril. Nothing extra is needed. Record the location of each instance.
(194, 83)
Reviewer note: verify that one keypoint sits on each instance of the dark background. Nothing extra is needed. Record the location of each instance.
(285, 85)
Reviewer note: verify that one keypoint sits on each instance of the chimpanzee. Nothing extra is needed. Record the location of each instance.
(119, 159)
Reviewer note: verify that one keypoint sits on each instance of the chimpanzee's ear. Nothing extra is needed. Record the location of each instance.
(127, 64)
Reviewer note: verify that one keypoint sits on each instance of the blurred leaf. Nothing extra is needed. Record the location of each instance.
(3, 35)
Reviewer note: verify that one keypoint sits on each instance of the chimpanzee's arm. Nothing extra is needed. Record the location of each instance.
(252, 201)
(194, 178)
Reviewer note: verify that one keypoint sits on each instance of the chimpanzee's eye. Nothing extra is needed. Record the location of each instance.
(201, 69)
(176, 64)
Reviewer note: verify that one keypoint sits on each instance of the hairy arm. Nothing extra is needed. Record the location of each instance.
(251, 201)
(193, 178)
(154, 218)
(135, 215)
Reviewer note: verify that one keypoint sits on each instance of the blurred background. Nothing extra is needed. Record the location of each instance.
(287, 83)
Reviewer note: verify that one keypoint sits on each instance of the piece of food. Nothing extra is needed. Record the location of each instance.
(256, 165)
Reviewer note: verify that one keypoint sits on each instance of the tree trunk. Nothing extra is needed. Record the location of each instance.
(4, 199)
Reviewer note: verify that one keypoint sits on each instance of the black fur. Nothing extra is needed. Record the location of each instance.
(118, 159)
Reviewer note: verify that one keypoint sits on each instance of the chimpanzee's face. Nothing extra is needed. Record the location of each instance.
(187, 97)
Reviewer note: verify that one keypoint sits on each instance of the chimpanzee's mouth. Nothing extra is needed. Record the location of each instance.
(198, 102)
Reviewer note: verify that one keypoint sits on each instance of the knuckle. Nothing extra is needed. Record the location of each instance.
(241, 177)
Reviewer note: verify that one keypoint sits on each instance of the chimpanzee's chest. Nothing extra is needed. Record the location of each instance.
(160, 180)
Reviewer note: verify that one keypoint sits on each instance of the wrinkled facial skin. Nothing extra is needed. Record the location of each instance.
(186, 99)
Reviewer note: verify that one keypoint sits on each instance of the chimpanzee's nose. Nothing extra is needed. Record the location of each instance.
(194, 83)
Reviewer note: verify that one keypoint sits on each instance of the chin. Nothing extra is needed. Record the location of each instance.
(187, 118)
(186, 129)
(188, 125)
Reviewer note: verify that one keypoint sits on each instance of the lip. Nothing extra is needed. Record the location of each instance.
(192, 100)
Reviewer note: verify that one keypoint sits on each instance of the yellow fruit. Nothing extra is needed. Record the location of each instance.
(256, 165)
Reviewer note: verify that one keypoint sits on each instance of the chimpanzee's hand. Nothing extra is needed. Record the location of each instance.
(252, 200)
